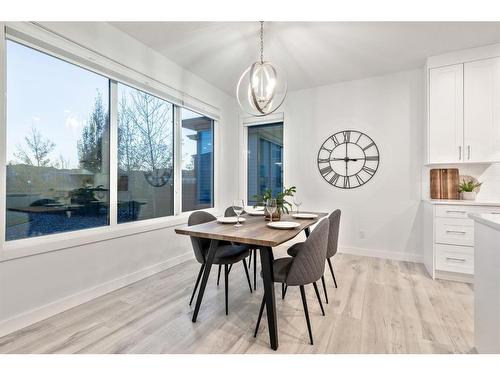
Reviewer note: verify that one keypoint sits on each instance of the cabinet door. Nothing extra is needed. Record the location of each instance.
(446, 114)
(482, 110)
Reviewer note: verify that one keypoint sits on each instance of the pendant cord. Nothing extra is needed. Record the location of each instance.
(261, 41)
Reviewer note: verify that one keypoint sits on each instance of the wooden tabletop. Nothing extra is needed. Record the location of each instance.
(254, 230)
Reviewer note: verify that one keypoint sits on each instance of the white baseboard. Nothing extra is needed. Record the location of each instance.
(407, 257)
(33, 316)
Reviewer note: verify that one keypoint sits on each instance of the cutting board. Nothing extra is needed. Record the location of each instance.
(444, 183)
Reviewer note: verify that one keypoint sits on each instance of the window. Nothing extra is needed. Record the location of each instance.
(57, 145)
(58, 125)
(197, 161)
(145, 155)
(265, 159)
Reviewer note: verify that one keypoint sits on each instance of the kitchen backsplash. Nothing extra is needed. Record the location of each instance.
(488, 174)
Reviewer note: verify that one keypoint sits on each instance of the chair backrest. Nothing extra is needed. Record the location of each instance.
(309, 264)
(230, 212)
(200, 245)
(333, 234)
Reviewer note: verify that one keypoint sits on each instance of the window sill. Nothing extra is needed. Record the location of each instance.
(38, 245)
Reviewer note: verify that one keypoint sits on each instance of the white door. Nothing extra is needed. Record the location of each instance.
(482, 110)
(446, 114)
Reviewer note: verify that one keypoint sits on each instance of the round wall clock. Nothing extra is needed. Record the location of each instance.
(348, 159)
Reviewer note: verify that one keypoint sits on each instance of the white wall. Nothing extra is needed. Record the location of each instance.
(388, 109)
(37, 286)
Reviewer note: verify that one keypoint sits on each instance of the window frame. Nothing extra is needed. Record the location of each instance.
(245, 123)
(46, 42)
(179, 117)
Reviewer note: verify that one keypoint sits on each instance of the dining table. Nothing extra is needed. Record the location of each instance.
(257, 233)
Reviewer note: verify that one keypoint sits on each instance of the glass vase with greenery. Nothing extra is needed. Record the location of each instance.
(282, 205)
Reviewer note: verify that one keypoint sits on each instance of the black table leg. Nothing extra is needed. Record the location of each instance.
(307, 232)
(206, 272)
(266, 260)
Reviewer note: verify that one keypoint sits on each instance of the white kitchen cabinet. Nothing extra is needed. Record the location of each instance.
(482, 110)
(449, 237)
(446, 132)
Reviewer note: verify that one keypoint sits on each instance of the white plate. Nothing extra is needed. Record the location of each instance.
(283, 225)
(252, 208)
(230, 220)
(255, 213)
(305, 216)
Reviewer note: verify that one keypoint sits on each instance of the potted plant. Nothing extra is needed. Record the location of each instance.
(468, 189)
(282, 205)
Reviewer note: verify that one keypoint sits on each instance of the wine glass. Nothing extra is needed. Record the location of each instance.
(271, 207)
(297, 202)
(238, 207)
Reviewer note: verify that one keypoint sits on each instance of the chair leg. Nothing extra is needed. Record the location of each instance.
(230, 267)
(331, 270)
(306, 312)
(197, 283)
(283, 291)
(324, 288)
(260, 315)
(250, 259)
(318, 297)
(226, 286)
(255, 269)
(248, 276)
(218, 275)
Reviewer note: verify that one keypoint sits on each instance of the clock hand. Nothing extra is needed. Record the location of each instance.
(345, 159)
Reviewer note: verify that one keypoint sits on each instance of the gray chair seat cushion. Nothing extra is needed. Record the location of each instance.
(281, 267)
(229, 254)
(294, 249)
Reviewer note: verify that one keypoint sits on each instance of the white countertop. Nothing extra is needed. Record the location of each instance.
(462, 202)
(491, 220)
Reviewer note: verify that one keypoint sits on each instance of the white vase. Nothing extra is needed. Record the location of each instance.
(469, 195)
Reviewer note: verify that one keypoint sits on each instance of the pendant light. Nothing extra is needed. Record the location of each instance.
(262, 87)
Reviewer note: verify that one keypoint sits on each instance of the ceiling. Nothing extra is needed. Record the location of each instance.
(311, 53)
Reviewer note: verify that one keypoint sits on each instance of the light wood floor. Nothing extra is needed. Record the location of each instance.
(380, 306)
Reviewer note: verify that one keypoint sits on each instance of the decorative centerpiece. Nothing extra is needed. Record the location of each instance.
(282, 205)
(468, 188)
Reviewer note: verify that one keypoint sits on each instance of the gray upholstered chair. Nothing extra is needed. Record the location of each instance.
(227, 253)
(306, 267)
(253, 251)
(333, 241)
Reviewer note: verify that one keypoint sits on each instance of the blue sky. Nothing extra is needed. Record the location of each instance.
(50, 94)
(55, 97)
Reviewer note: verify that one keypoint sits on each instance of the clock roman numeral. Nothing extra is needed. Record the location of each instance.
(367, 147)
(335, 140)
(347, 136)
(326, 149)
(327, 160)
(360, 180)
(369, 170)
(357, 140)
(372, 158)
(333, 180)
(347, 184)
(324, 171)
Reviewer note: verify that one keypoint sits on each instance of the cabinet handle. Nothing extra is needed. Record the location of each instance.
(456, 231)
(468, 152)
(456, 259)
(459, 152)
(456, 211)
